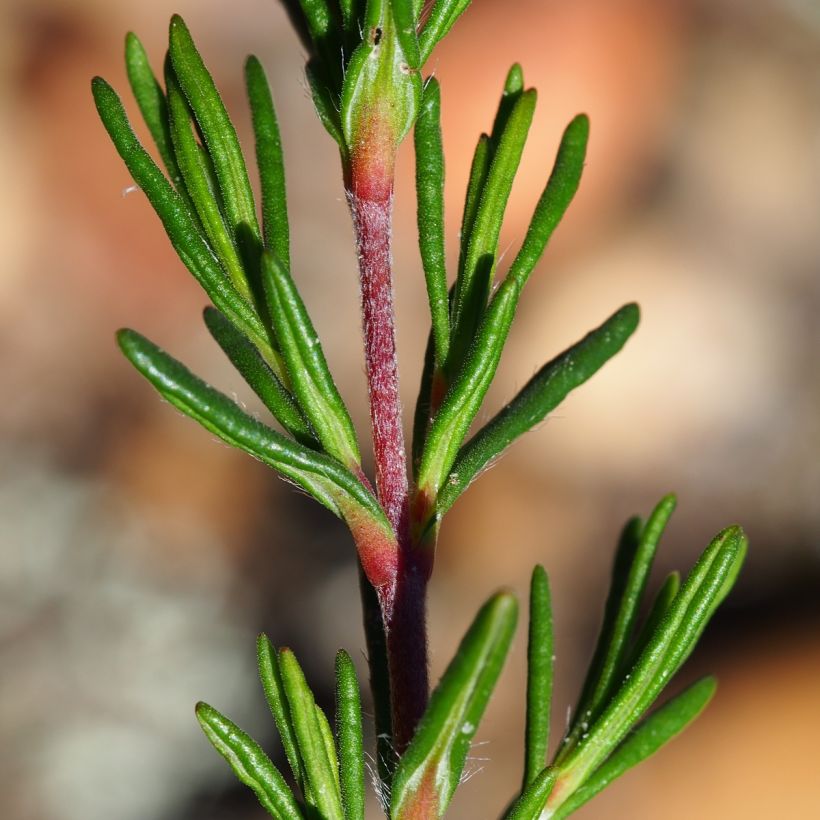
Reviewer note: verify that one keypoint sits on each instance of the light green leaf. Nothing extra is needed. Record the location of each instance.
(246, 359)
(197, 173)
(539, 397)
(217, 130)
(646, 739)
(321, 771)
(431, 767)
(250, 764)
(269, 160)
(442, 17)
(271, 677)
(556, 198)
(464, 398)
(310, 376)
(532, 801)
(630, 573)
(539, 678)
(349, 734)
(430, 213)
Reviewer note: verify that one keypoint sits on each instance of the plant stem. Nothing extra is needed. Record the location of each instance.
(369, 183)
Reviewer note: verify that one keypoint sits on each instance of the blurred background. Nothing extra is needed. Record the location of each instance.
(140, 557)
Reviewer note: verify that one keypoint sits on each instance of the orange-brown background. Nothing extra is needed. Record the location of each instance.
(139, 557)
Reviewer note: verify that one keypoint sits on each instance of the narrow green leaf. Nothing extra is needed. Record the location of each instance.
(324, 104)
(269, 160)
(405, 22)
(217, 130)
(479, 167)
(151, 101)
(349, 734)
(310, 376)
(320, 475)
(660, 606)
(646, 739)
(539, 677)
(531, 803)
(250, 764)
(554, 201)
(261, 379)
(630, 573)
(539, 397)
(178, 221)
(476, 276)
(431, 767)
(422, 414)
(513, 88)
(271, 677)
(197, 174)
(324, 32)
(673, 641)
(310, 739)
(442, 17)
(330, 746)
(464, 398)
(430, 212)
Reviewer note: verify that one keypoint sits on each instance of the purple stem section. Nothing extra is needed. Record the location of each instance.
(404, 606)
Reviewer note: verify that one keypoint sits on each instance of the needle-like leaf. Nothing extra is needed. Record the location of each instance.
(320, 475)
(431, 767)
(323, 103)
(251, 765)
(269, 161)
(539, 397)
(464, 397)
(151, 101)
(261, 379)
(321, 770)
(539, 678)
(630, 573)
(476, 276)
(430, 212)
(198, 175)
(349, 735)
(217, 130)
(178, 221)
(532, 801)
(660, 606)
(310, 376)
(442, 17)
(649, 736)
(405, 21)
(271, 677)
(704, 589)
(554, 201)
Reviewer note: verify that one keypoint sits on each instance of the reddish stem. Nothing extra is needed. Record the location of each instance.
(369, 182)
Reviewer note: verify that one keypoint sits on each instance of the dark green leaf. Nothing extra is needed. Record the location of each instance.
(251, 765)
(321, 476)
(513, 88)
(464, 397)
(178, 222)
(271, 677)
(309, 374)
(540, 396)
(649, 736)
(430, 199)
(442, 17)
(198, 176)
(349, 733)
(405, 21)
(673, 641)
(321, 770)
(151, 101)
(660, 606)
(531, 803)
(554, 201)
(476, 275)
(431, 767)
(539, 677)
(269, 160)
(630, 573)
(217, 130)
(323, 103)
(246, 359)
